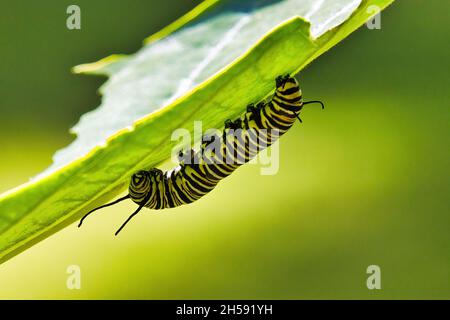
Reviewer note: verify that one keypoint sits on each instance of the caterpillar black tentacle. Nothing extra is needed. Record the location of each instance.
(200, 171)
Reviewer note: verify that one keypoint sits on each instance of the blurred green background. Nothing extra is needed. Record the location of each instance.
(364, 182)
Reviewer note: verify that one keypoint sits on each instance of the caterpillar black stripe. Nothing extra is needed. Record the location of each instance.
(200, 171)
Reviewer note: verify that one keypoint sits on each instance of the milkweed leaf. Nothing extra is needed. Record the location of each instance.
(206, 66)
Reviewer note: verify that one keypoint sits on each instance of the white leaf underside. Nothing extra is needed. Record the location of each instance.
(185, 59)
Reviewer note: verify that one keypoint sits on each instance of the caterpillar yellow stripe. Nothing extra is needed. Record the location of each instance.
(200, 171)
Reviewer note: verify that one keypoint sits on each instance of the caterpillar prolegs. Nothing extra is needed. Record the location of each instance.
(200, 171)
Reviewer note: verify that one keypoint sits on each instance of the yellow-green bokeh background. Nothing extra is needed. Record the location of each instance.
(364, 182)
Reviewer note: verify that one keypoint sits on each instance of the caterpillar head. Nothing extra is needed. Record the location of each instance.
(286, 82)
(140, 186)
(288, 91)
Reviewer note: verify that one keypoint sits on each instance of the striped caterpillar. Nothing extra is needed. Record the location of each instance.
(200, 171)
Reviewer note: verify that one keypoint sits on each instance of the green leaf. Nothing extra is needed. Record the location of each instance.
(206, 66)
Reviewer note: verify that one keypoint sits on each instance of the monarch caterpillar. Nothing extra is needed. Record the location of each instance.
(256, 129)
